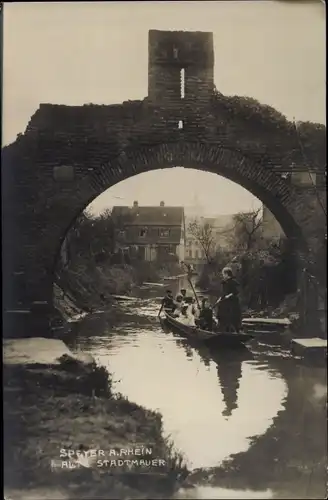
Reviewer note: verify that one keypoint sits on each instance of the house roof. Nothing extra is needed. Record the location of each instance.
(149, 216)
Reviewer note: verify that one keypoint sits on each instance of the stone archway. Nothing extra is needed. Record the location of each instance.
(279, 196)
(59, 166)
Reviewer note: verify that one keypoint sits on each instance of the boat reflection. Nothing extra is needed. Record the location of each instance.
(228, 365)
(229, 372)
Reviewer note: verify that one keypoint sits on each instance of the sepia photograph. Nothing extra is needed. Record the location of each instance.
(164, 247)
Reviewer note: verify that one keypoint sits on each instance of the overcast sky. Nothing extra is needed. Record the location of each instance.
(76, 53)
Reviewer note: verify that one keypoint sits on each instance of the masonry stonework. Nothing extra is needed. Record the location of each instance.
(69, 155)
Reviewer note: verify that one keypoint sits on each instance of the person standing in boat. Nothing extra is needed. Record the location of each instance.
(168, 303)
(228, 306)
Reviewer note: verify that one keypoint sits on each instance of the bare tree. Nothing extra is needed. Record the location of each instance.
(204, 234)
(246, 229)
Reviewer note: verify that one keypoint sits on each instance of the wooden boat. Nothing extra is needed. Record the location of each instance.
(227, 340)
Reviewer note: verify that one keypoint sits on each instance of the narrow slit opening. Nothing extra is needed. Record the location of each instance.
(180, 125)
(182, 83)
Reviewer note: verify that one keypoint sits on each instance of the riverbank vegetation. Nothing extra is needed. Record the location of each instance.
(275, 278)
(70, 405)
(266, 270)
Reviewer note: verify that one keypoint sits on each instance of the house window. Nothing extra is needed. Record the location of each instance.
(175, 53)
(143, 232)
(196, 254)
(164, 233)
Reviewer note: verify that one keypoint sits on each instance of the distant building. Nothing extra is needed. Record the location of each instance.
(151, 233)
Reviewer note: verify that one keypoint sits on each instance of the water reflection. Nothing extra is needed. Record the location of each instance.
(228, 367)
(229, 373)
(211, 404)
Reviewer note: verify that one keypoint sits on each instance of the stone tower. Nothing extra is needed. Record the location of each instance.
(180, 67)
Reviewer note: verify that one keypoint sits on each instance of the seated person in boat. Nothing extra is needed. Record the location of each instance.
(186, 318)
(228, 306)
(188, 302)
(168, 303)
(194, 308)
(182, 294)
(178, 305)
(206, 316)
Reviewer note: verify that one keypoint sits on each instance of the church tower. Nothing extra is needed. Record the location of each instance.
(195, 210)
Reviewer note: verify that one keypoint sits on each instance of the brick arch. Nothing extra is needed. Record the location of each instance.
(281, 199)
(49, 207)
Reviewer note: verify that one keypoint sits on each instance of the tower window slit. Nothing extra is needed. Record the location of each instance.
(182, 83)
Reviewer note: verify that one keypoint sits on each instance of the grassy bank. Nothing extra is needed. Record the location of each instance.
(71, 406)
(90, 286)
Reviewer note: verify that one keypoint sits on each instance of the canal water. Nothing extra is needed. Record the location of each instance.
(214, 406)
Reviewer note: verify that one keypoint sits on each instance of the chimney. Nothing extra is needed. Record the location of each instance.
(135, 204)
(162, 204)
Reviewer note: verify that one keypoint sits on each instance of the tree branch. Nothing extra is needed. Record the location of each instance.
(203, 234)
